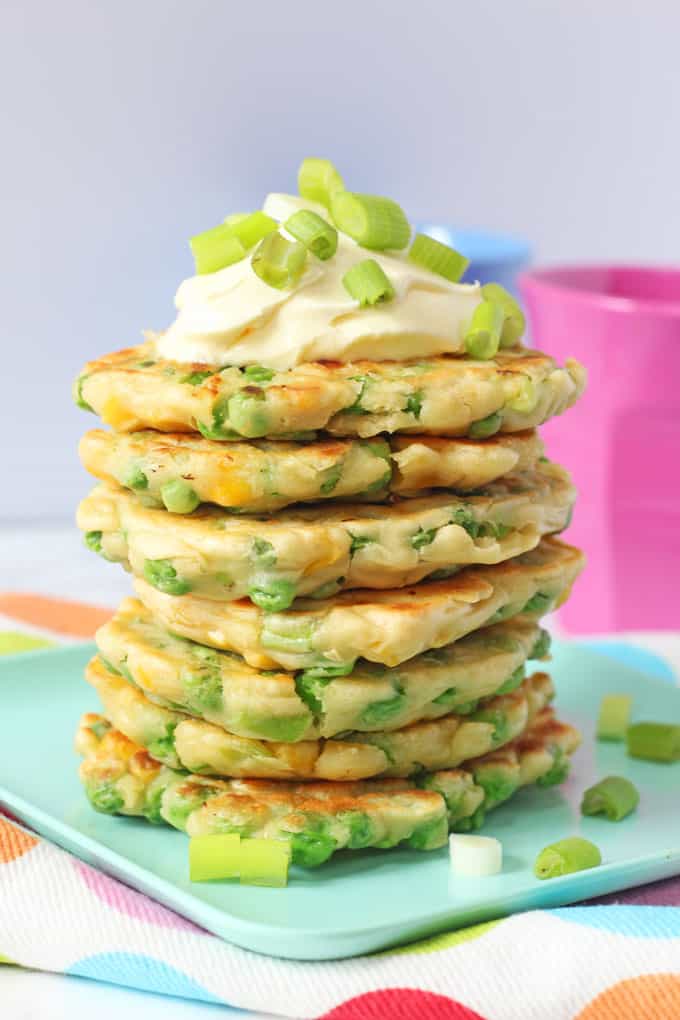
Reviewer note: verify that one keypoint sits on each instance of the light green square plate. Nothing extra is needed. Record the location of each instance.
(362, 901)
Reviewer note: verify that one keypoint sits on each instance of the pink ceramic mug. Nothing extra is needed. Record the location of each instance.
(622, 440)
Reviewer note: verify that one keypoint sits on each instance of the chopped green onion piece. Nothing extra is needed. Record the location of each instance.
(313, 231)
(615, 797)
(278, 262)
(265, 861)
(514, 322)
(438, 257)
(526, 398)
(475, 856)
(483, 336)
(249, 228)
(216, 856)
(179, 497)
(215, 249)
(566, 857)
(371, 220)
(485, 427)
(614, 716)
(318, 180)
(414, 404)
(654, 741)
(237, 217)
(367, 283)
(196, 378)
(258, 373)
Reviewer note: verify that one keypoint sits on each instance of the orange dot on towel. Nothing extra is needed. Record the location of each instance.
(648, 997)
(14, 842)
(76, 619)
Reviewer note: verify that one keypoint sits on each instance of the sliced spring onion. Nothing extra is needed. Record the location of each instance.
(313, 231)
(566, 857)
(614, 716)
(438, 257)
(654, 741)
(265, 862)
(215, 249)
(526, 398)
(216, 856)
(179, 497)
(237, 217)
(258, 373)
(318, 180)
(250, 228)
(372, 221)
(475, 856)
(485, 427)
(368, 283)
(615, 797)
(483, 335)
(514, 322)
(278, 262)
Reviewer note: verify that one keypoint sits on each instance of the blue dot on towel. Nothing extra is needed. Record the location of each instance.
(622, 919)
(136, 970)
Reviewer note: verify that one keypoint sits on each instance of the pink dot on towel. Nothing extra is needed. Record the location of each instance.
(134, 904)
(401, 1004)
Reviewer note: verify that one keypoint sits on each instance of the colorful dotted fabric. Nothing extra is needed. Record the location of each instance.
(617, 960)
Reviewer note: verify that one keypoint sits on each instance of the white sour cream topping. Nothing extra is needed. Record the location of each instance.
(232, 317)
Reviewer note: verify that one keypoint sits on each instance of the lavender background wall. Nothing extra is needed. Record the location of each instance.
(128, 126)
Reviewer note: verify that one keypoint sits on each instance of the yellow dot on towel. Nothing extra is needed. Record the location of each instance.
(444, 941)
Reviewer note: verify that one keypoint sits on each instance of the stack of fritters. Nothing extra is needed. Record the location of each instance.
(340, 573)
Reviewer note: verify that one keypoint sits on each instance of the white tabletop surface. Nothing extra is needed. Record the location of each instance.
(34, 560)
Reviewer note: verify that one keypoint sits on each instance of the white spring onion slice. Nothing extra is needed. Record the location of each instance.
(475, 856)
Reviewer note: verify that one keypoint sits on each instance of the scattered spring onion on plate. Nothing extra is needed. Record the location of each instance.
(264, 862)
(214, 857)
(614, 797)
(475, 856)
(566, 857)
(614, 716)
(654, 741)
(226, 855)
